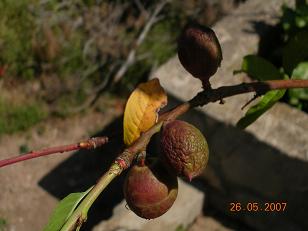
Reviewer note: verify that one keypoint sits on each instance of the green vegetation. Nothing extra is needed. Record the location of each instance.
(295, 51)
(291, 62)
(289, 51)
(3, 224)
(181, 228)
(15, 118)
(70, 48)
(286, 58)
(23, 148)
(42, 38)
(16, 28)
(160, 45)
(294, 20)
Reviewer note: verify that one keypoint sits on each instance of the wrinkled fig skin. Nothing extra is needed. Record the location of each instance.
(199, 51)
(185, 148)
(150, 191)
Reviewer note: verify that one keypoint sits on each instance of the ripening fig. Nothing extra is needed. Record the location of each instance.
(150, 190)
(185, 148)
(199, 52)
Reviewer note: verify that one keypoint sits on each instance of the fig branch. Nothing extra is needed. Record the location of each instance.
(91, 143)
(125, 159)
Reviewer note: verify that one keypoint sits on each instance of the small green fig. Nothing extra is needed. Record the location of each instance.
(199, 52)
(185, 148)
(150, 191)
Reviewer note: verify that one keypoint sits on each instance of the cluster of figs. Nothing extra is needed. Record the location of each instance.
(151, 187)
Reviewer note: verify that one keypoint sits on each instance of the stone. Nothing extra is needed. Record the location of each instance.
(208, 223)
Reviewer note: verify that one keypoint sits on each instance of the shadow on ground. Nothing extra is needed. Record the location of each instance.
(84, 168)
(271, 41)
(241, 169)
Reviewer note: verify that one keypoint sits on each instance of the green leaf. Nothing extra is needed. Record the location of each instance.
(295, 51)
(266, 102)
(300, 22)
(3, 224)
(302, 11)
(288, 18)
(64, 209)
(300, 72)
(259, 68)
(293, 20)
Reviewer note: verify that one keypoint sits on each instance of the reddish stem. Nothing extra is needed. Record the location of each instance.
(88, 144)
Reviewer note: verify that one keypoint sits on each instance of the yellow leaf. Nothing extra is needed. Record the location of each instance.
(141, 111)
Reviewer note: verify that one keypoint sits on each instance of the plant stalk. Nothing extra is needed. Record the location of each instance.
(79, 216)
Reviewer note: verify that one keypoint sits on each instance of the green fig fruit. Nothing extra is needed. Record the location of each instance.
(185, 148)
(199, 51)
(150, 191)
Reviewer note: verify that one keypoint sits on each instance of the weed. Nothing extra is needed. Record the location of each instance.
(19, 117)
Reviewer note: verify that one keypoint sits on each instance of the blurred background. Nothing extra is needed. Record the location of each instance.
(58, 57)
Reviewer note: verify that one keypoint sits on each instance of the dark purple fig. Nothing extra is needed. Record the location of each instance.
(185, 148)
(150, 191)
(199, 52)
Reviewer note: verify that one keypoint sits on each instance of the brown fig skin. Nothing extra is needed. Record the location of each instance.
(185, 148)
(199, 51)
(150, 191)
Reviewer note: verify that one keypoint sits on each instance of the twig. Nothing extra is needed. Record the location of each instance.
(87, 144)
(250, 101)
(132, 54)
(125, 159)
(141, 8)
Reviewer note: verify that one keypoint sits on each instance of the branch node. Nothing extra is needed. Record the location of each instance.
(117, 167)
(221, 101)
(80, 221)
(123, 160)
(93, 143)
(141, 158)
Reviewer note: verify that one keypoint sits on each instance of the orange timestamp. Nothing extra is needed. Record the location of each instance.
(258, 207)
